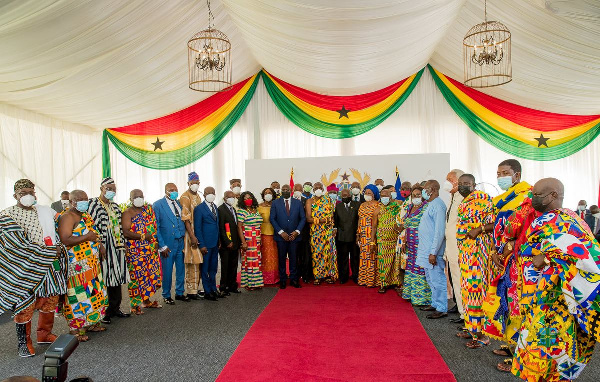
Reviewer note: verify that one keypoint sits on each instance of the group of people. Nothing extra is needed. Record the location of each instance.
(520, 267)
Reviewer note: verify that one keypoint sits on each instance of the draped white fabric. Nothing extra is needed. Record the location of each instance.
(109, 63)
(60, 156)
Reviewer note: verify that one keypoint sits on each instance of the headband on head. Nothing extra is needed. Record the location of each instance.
(23, 183)
(193, 176)
(106, 181)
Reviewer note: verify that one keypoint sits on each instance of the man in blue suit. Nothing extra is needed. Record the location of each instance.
(287, 218)
(206, 228)
(170, 234)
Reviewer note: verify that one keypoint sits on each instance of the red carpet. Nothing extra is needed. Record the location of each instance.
(326, 333)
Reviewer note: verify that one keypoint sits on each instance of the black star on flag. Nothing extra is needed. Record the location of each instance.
(343, 112)
(158, 144)
(542, 141)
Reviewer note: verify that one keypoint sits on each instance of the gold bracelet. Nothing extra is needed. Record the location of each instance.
(482, 228)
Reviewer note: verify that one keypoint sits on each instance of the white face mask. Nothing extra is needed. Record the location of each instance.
(277, 190)
(448, 186)
(318, 193)
(138, 202)
(194, 187)
(417, 201)
(268, 197)
(210, 198)
(231, 201)
(379, 187)
(27, 200)
(355, 191)
(581, 207)
(368, 198)
(64, 203)
(298, 195)
(596, 215)
(394, 195)
(236, 190)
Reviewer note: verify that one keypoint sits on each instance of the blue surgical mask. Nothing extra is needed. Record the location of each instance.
(333, 197)
(82, 205)
(109, 195)
(385, 200)
(425, 195)
(505, 182)
(394, 195)
(173, 195)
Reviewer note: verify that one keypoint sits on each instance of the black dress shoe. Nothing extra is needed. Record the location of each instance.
(215, 295)
(282, 285)
(122, 315)
(457, 320)
(435, 315)
(210, 297)
(234, 291)
(169, 301)
(343, 281)
(193, 296)
(182, 298)
(454, 309)
(106, 320)
(222, 294)
(295, 284)
(428, 309)
(201, 293)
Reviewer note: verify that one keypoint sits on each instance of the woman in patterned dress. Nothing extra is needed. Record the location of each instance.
(249, 221)
(415, 287)
(319, 213)
(270, 260)
(367, 268)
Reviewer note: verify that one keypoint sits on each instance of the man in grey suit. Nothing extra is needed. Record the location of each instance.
(61, 204)
(346, 224)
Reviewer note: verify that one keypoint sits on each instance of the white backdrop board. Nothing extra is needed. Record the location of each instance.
(347, 169)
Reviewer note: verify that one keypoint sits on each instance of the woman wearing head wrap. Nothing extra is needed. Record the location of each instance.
(367, 268)
(319, 213)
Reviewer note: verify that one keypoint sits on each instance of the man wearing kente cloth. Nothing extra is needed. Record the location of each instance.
(561, 291)
(86, 294)
(385, 232)
(107, 218)
(319, 213)
(474, 245)
(513, 213)
(37, 223)
(143, 263)
(192, 257)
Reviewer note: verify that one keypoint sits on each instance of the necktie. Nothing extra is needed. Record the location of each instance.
(287, 206)
(233, 213)
(175, 209)
(346, 204)
(214, 211)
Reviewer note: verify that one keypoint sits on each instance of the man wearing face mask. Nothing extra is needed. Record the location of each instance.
(451, 255)
(236, 186)
(430, 254)
(379, 184)
(561, 296)
(384, 233)
(206, 228)
(593, 220)
(405, 204)
(582, 209)
(85, 284)
(170, 236)
(513, 214)
(297, 192)
(307, 189)
(37, 222)
(192, 258)
(277, 188)
(107, 216)
(60, 205)
(304, 254)
(139, 227)
(357, 196)
(287, 218)
(230, 244)
(346, 223)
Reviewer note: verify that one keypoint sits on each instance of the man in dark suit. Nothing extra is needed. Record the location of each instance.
(357, 195)
(346, 224)
(303, 254)
(230, 244)
(592, 218)
(170, 233)
(287, 218)
(206, 229)
(61, 204)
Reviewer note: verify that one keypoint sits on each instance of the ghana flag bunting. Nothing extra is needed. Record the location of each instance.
(338, 116)
(180, 138)
(520, 131)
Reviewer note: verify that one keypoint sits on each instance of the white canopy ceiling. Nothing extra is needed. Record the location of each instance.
(108, 63)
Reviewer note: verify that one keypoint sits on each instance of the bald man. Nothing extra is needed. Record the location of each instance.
(561, 293)
(430, 253)
(170, 235)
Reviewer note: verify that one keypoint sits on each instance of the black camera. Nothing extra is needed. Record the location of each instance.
(55, 361)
